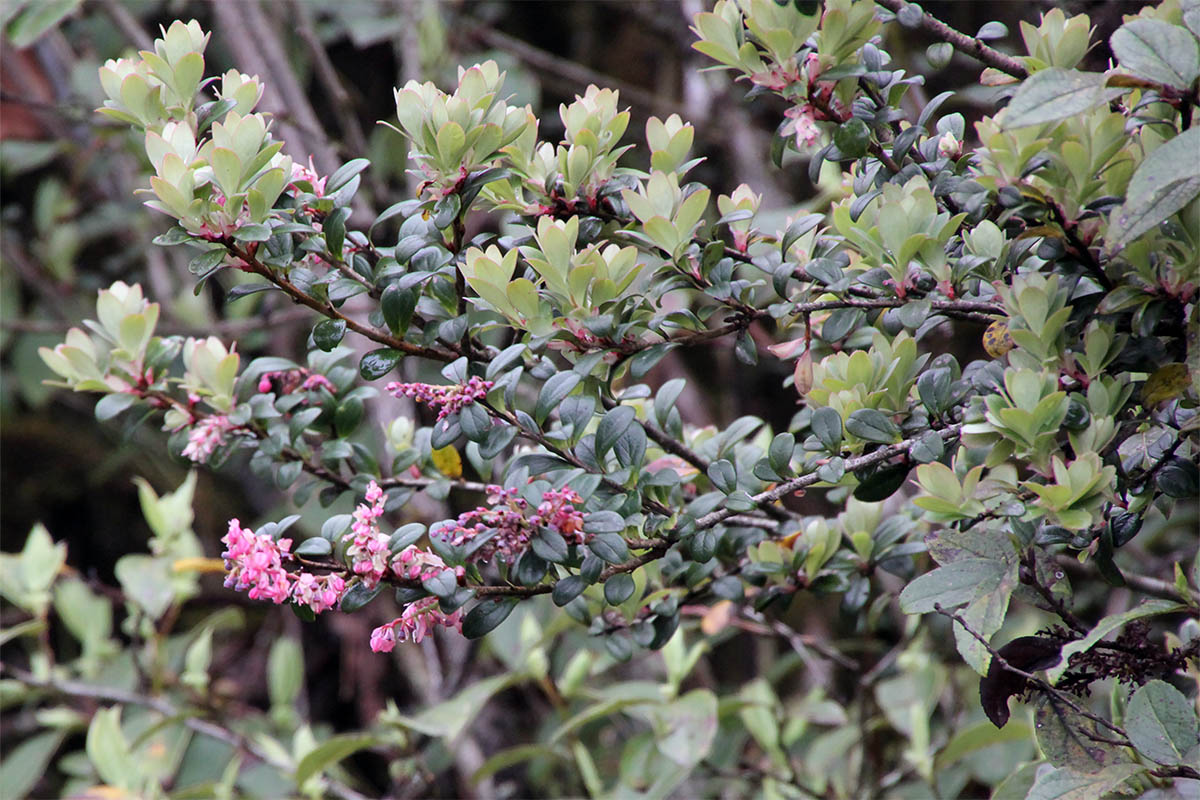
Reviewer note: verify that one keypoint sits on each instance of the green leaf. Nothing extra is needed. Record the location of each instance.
(147, 582)
(207, 261)
(108, 749)
(327, 334)
(26, 763)
(1157, 51)
(939, 54)
(618, 588)
(553, 391)
(1109, 624)
(723, 475)
(929, 447)
(1065, 784)
(872, 425)
(1163, 184)
(780, 453)
(377, 363)
(487, 616)
(397, 306)
(609, 546)
(1162, 723)
(329, 752)
(950, 585)
(342, 175)
(1054, 94)
(852, 138)
(827, 426)
(1062, 736)
(567, 589)
(113, 404)
(442, 584)
(34, 19)
(686, 728)
(357, 596)
(450, 718)
(314, 546)
(285, 671)
(611, 427)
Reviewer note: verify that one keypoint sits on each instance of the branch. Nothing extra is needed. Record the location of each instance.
(786, 488)
(328, 310)
(968, 45)
(204, 727)
(1142, 583)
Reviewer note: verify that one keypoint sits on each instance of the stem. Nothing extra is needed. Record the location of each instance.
(968, 45)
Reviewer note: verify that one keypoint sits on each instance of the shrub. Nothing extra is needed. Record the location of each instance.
(968, 486)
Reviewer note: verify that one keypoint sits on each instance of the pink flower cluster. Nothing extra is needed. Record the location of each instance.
(414, 624)
(415, 564)
(286, 381)
(509, 517)
(255, 565)
(206, 435)
(447, 399)
(368, 550)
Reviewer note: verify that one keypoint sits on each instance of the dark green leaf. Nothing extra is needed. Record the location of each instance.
(357, 596)
(611, 427)
(872, 425)
(342, 175)
(618, 588)
(487, 616)
(852, 138)
(780, 453)
(567, 589)
(881, 484)
(397, 306)
(377, 363)
(327, 334)
(609, 546)
(827, 426)
(553, 391)
(723, 475)
(442, 584)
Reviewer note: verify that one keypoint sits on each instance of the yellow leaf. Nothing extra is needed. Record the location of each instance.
(198, 565)
(1167, 383)
(717, 618)
(448, 461)
(997, 340)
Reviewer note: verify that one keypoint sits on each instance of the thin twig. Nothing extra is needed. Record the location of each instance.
(968, 45)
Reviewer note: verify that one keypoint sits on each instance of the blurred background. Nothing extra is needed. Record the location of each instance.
(71, 223)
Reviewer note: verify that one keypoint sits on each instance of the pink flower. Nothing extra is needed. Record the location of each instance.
(414, 624)
(308, 175)
(286, 381)
(802, 125)
(448, 399)
(319, 594)
(515, 527)
(255, 564)
(206, 436)
(368, 550)
(415, 564)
